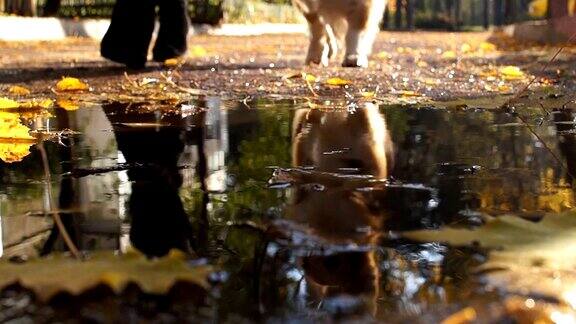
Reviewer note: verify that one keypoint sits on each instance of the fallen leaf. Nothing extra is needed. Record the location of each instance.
(43, 104)
(71, 84)
(197, 51)
(19, 91)
(338, 82)
(12, 128)
(450, 55)
(383, 55)
(6, 103)
(487, 47)
(465, 48)
(407, 93)
(60, 273)
(172, 62)
(536, 257)
(309, 77)
(15, 139)
(14, 152)
(67, 104)
(368, 94)
(467, 315)
(512, 73)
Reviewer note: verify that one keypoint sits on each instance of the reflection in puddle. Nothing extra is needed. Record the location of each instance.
(331, 187)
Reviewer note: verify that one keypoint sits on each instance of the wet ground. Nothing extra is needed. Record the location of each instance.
(302, 208)
(298, 190)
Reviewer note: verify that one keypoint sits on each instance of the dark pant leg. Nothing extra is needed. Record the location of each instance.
(171, 41)
(128, 37)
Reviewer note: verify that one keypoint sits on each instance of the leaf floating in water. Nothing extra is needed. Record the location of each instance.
(6, 103)
(67, 104)
(71, 84)
(58, 273)
(531, 252)
(12, 128)
(338, 82)
(19, 91)
(15, 140)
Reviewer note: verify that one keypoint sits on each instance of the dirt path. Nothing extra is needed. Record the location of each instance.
(417, 66)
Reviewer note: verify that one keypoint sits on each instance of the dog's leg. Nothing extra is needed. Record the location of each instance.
(319, 50)
(362, 31)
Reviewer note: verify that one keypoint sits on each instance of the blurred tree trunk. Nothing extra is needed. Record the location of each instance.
(558, 8)
(21, 7)
(398, 15)
(51, 8)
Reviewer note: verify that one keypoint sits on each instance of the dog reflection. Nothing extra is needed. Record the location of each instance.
(337, 142)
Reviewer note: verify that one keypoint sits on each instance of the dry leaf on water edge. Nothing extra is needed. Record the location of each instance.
(49, 276)
(537, 257)
(19, 91)
(71, 84)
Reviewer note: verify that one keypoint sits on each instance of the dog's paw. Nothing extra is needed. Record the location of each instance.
(355, 61)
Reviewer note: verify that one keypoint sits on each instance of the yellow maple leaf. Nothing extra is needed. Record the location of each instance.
(12, 128)
(67, 104)
(338, 82)
(71, 84)
(15, 139)
(19, 91)
(60, 273)
(14, 152)
(6, 103)
(512, 73)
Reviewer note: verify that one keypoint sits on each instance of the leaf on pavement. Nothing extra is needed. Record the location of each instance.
(197, 51)
(71, 84)
(59, 273)
(338, 82)
(512, 73)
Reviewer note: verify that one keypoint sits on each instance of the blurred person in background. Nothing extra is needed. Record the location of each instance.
(128, 37)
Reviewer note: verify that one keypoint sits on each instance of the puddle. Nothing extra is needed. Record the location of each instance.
(301, 207)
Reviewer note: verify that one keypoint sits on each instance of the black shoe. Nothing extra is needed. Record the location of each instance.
(134, 63)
